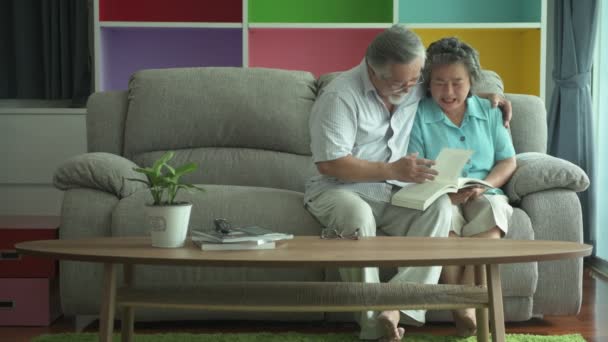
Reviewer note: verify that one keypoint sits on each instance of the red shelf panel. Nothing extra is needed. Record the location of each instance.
(171, 11)
(316, 50)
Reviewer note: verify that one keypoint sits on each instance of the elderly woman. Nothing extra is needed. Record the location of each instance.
(451, 116)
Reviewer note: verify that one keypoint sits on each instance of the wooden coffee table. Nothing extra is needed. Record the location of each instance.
(309, 251)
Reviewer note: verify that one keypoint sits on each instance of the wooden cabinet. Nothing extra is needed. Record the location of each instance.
(29, 293)
(319, 36)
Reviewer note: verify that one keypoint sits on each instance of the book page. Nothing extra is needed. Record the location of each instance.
(420, 196)
(471, 182)
(449, 164)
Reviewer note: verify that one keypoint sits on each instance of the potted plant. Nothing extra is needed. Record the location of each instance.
(168, 218)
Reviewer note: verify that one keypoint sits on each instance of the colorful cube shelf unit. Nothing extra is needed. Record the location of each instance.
(319, 36)
(29, 293)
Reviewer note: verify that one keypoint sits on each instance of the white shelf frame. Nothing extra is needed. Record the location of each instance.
(245, 27)
(475, 26)
(322, 25)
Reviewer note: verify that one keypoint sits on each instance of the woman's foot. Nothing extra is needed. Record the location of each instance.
(389, 321)
(465, 321)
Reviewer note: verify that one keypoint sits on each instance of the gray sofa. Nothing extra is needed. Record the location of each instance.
(248, 131)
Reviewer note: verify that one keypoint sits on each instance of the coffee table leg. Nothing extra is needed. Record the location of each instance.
(497, 316)
(127, 311)
(481, 314)
(108, 301)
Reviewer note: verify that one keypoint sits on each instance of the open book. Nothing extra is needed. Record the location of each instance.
(233, 246)
(449, 164)
(240, 234)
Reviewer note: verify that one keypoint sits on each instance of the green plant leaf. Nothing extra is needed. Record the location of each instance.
(165, 186)
(171, 170)
(157, 167)
(187, 168)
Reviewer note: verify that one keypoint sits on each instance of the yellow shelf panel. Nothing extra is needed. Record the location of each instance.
(513, 53)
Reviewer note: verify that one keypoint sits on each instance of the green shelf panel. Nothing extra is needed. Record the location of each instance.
(469, 11)
(321, 11)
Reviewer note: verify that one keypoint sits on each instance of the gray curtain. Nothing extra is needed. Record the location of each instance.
(44, 50)
(570, 116)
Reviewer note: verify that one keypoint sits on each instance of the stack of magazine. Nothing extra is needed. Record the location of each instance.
(241, 238)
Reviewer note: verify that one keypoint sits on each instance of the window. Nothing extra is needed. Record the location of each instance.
(600, 106)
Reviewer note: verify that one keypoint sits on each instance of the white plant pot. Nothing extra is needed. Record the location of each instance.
(168, 224)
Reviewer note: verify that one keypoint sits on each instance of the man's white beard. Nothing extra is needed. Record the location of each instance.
(397, 99)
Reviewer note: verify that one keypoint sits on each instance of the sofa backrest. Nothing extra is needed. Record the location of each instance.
(243, 126)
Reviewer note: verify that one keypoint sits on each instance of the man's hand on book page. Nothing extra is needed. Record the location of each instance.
(413, 169)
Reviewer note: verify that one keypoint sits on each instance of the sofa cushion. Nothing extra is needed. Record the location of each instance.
(489, 82)
(279, 210)
(241, 166)
(538, 171)
(100, 171)
(519, 280)
(256, 108)
(529, 123)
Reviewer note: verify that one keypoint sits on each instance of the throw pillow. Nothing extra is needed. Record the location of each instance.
(100, 171)
(538, 171)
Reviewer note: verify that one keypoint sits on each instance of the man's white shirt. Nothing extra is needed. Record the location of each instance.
(349, 117)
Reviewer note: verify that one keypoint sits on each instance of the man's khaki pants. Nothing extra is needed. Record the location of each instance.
(346, 211)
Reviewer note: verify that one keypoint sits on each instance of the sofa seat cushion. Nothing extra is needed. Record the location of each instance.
(519, 280)
(240, 166)
(280, 210)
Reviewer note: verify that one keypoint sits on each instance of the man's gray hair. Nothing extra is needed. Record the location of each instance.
(451, 50)
(395, 45)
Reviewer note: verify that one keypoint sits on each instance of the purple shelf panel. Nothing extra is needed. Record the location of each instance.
(129, 49)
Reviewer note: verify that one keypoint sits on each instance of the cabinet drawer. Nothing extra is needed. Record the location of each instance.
(18, 229)
(30, 301)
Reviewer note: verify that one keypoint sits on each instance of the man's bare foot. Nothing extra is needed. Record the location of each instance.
(389, 321)
(465, 321)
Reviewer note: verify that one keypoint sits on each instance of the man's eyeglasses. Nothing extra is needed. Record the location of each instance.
(332, 233)
(397, 87)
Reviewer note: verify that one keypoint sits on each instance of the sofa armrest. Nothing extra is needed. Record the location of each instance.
(556, 215)
(100, 171)
(538, 172)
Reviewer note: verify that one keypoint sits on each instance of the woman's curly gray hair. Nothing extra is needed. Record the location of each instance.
(451, 50)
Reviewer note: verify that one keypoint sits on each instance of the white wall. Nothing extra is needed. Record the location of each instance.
(600, 94)
(34, 142)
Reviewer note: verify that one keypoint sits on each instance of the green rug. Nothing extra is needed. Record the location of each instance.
(291, 337)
